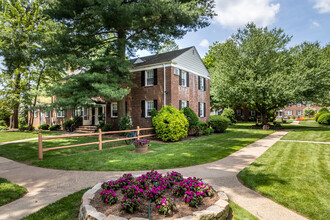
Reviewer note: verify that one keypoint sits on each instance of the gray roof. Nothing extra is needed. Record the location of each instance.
(159, 58)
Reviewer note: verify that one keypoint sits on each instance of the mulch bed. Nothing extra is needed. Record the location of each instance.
(182, 209)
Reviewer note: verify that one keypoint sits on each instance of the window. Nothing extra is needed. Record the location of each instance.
(149, 78)
(60, 113)
(288, 112)
(114, 110)
(183, 78)
(47, 114)
(308, 104)
(86, 114)
(253, 113)
(36, 113)
(299, 112)
(78, 112)
(201, 109)
(183, 104)
(298, 104)
(149, 107)
(239, 112)
(201, 83)
(177, 71)
(316, 111)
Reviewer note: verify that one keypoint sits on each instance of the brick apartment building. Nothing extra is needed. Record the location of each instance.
(178, 78)
(296, 110)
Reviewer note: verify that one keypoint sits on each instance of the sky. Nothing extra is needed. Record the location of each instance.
(304, 20)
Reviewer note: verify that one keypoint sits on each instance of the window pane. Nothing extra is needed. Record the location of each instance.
(114, 110)
(184, 78)
(150, 78)
(150, 106)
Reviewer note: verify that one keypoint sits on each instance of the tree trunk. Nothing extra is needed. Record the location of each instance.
(263, 118)
(16, 90)
(122, 53)
(31, 119)
(14, 117)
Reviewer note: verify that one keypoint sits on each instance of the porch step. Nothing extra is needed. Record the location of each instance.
(86, 129)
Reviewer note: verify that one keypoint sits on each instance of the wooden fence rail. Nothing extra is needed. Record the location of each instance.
(99, 134)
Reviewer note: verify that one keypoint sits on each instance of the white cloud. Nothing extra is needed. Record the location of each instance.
(204, 43)
(322, 5)
(316, 24)
(237, 13)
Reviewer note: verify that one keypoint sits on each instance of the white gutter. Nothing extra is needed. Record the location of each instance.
(164, 84)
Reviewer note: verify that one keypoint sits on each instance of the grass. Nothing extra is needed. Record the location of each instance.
(67, 208)
(6, 136)
(10, 191)
(295, 175)
(247, 125)
(317, 134)
(169, 155)
(239, 213)
(312, 123)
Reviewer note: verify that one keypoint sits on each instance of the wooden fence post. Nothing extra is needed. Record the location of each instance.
(100, 139)
(138, 132)
(40, 150)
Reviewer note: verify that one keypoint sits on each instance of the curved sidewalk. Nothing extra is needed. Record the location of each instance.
(46, 186)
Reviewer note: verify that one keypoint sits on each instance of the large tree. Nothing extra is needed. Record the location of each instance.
(101, 34)
(24, 33)
(255, 67)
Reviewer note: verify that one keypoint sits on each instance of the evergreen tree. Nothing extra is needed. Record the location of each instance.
(101, 34)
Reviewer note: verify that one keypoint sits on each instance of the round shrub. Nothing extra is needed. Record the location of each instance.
(125, 123)
(43, 127)
(190, 116)
(67, 124)
(323, 110)
(107, 127)
(230, 114)
(200, 128)
(55, 127)
(219, 123)
(170, 124)
(324, 119)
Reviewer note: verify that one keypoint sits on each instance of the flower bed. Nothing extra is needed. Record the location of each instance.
(170, 196)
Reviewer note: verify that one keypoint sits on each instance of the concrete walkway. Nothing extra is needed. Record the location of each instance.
(18, 141)
(313, 142)
(47, 185)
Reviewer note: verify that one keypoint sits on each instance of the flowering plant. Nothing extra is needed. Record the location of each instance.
(164, 206)
(141, 142)
(193, 199)
(130, 205)
(109, 196)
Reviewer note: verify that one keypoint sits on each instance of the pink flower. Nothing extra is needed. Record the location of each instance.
(158, 207)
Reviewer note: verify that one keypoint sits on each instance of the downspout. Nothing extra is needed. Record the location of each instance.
(164, 84)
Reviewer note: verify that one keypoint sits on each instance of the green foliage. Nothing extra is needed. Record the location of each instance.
(10, 191)
(190, 116)
(67, 124)
(22, 121)
(323, 109)
(3, 127)
(219, 123)
(170, 124)
(308, 111)
(2, 123)
(294, 117)
(290, 117)
(25, 128)
(4, 113)
(168, 46)
(107, 127)
(324, 119)
(230, 114)
(55, 127)
(248, 65)
(200, 128)
(43, 127)
(208, 131)
(125, 123)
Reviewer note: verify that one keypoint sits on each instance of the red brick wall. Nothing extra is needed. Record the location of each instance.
(294, 108)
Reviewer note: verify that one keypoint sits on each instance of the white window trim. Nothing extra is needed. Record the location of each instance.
(60, 113)
(146, 78)
(176, 71)
(183, 104)
(79, 110)
(201, 107)
(289, 111)
(298, 104)
(184, 79)
(114, 116)
(201, 83)
(47, 114)
(299, 111)
(146, 108)
(35, 114)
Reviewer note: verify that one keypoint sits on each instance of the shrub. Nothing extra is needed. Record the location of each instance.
(107, 127)
(294, 117)
(200, 127)
(323, 110)
(67, 124)
(125, 123)
(324, 119)
(298, 116)
(3, 123)
(230, 114)
(25, 128)
(170, 124)
(209, 131)
(153, 113)
(219, 123)
(308, 111)
(251, 118)
(3, 127)
(77, 121)
(289, 117)
(191, 117)
(55, 127)
(43, 127)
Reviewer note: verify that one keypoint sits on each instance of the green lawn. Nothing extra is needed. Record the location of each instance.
(295, 175)
(317, 134)
(239, 213)
(6, 136)
(10, 191)
(169, 155)
(313, 123)
(68, 209)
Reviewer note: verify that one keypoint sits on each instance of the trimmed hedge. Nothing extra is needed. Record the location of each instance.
(324, 119)
(25, 128)
(170, 124)
(230, 114)
(219, 123)
(55, 127)
(43, 127)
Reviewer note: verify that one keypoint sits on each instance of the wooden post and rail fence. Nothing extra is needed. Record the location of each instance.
(100, 141)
